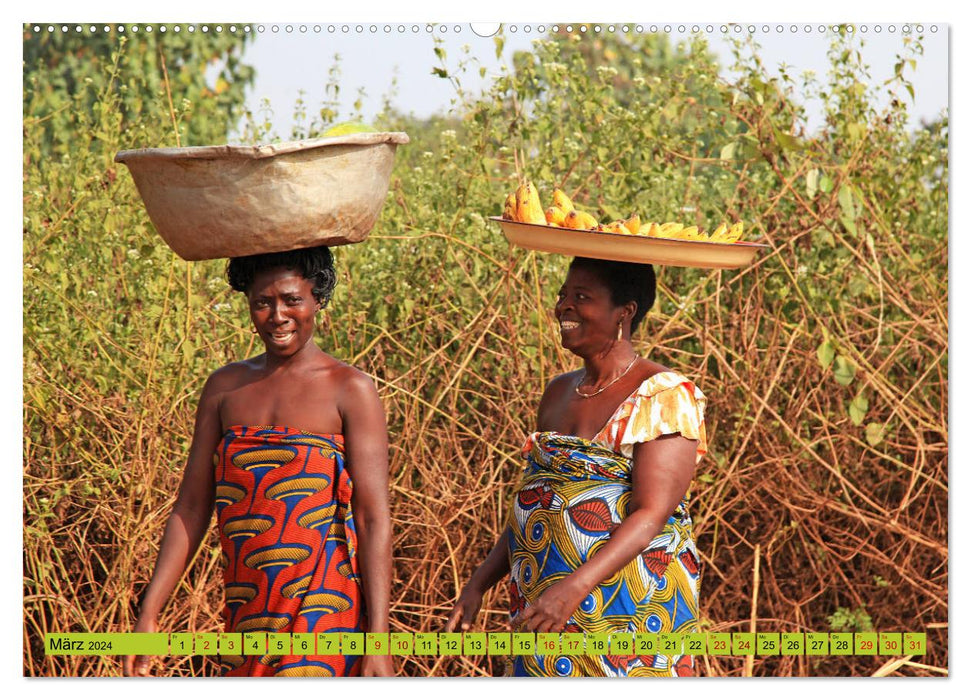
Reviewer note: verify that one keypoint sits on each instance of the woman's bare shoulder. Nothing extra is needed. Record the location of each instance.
(561, 384)
(350, 380)
(235, 374)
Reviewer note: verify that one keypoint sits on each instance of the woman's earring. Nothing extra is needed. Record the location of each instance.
(620, 331)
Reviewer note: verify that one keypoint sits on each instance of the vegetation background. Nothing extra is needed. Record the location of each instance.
(823, 503)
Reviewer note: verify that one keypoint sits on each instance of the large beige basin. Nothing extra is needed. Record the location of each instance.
(227, 201)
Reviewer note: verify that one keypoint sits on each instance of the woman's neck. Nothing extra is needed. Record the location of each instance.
(615, 359)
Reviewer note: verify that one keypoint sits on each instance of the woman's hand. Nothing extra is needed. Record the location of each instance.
(553, 608)
(375, 666)
(465, 610)
(138, 665)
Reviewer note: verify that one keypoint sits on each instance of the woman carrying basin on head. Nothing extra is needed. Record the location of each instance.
(290, 448)
(599, 537)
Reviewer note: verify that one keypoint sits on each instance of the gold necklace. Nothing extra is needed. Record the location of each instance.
(576, 387)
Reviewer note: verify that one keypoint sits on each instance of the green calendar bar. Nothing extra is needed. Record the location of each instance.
(492, 643)
(93, 644)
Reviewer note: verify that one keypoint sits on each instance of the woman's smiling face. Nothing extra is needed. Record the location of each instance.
(587, 316)
(283, 310)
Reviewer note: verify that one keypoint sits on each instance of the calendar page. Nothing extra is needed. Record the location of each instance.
(392, 465)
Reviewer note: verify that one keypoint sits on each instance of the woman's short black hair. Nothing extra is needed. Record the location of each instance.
(626, 282)
(315, 264)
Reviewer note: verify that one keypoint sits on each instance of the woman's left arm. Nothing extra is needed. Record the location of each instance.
(662, 471)
(366, 444)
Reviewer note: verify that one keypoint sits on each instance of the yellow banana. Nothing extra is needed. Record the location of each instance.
(579, 220)
(528, 208)
(651, 229)
(669, 229)
(615, 227)
(633, 224)
(734, 233)
(718, 235)
(555, 216)
(562, 202)
(689, 234)
(509, 208)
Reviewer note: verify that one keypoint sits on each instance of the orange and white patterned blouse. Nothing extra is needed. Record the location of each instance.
(664, 403)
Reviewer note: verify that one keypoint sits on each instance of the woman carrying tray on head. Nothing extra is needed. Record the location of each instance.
(599, 539)
(290, 448)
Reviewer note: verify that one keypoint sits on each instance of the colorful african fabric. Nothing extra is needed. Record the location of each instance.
(574, 493)
(283, 500)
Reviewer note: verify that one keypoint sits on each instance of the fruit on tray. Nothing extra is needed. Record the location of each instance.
(528, 208)
(524, 206)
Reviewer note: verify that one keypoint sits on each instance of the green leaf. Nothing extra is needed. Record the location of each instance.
(844, 370)
(826, 184)
(849, 224)
(499, 42)
(857, 409)
(856, 131)
(812, 182)
(825, 353)
(787, 142)
(822, 236)
(728, 151)
(874, 433)
(440, 72)
(845, 198)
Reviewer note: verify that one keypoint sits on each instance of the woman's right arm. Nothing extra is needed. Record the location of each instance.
(489, 573)
(188, 523)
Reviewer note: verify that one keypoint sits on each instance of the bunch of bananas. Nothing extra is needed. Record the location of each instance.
(524, 206)
(723, 234)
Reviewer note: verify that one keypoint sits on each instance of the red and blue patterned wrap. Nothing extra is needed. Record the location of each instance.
(283, 501)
